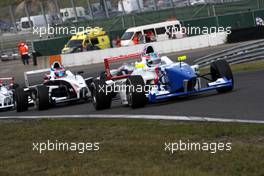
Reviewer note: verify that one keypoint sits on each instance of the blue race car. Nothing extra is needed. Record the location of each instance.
(156, 79)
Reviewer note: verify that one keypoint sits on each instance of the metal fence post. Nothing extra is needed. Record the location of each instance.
(13, 18)
(217, 21)
(58, 10)
(189, 2)
(155, 5)
(171, 3)
(254, 19)
(213, 10)
(106, 9)
(28, 16)
(138, 4)
(208, 10)
(123, 22)
(74, 10)
(90, 9)
(43, 13)
(134, 20)
(123, 7)
(173, 8)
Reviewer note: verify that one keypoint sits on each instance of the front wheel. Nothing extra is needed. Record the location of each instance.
(21, 100)
(42, 98)
(221, 69)
(135, 91)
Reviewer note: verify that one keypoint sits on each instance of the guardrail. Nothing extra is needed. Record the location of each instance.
(9, 43)
(246, 52)
(11, 54)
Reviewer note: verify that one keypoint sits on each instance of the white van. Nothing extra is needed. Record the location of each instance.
(153, 32)
(38, 21)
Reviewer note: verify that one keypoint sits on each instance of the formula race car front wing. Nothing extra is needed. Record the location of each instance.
(220, 83)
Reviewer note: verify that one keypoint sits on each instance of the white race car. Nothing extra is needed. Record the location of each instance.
(59, 86)
(7, 87)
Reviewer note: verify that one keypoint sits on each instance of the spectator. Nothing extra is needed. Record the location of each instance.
(23, 50)
(118, 42)
(114, 43)
(136, 39)
(168, 34)
(152, 36)
(147, 37)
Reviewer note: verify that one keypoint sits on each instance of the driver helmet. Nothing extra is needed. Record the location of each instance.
(60, 72)
(1, 83)
(153, 59)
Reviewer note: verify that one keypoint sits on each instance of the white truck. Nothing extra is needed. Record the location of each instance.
(38, 21)
(130, 5)
(68, 13)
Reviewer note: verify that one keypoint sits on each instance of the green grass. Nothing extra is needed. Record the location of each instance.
(244, 67)
(130, 147)
(251, 66)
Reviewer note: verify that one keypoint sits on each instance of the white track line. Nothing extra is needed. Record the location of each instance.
(149, 117)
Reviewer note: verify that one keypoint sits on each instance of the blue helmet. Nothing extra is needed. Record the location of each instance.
(153, 59)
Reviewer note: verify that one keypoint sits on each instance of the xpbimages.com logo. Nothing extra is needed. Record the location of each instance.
(108, 89)
(56, 145)
(211, 147)
(171, 31)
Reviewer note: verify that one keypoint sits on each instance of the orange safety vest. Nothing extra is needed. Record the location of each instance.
(23, 50)
(135, 40)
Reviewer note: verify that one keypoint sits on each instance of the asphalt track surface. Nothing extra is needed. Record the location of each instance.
(245, 102)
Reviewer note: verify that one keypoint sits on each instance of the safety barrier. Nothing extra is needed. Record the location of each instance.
(163, 47)
(246, 52)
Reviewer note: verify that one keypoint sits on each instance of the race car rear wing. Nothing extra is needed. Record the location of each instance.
(7, 79)
(10, 80)
(34, 72)
(110, 60)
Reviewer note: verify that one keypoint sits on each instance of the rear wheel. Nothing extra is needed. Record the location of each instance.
(135, 92)
(102, 99)
(103, 76)
(42, 98)
(221, 69)
(21, 100)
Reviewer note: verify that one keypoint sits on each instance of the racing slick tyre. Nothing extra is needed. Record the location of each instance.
(135, 98)
(42, 97)
(102, 99)
(21, 100)
(220, 69)
(103, 77)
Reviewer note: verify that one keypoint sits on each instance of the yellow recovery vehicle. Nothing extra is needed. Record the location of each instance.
(90, 39)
